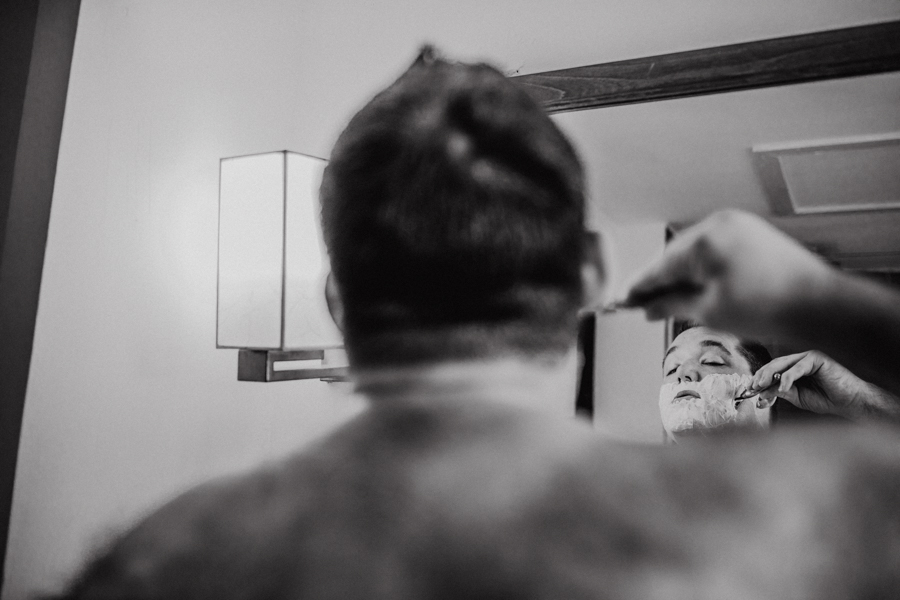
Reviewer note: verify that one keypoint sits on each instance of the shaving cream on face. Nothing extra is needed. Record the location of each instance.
(715, 406)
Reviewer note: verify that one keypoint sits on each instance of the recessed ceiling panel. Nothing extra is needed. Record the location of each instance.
(849, 174)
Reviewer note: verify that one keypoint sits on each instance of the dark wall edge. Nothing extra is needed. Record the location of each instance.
(32, 173)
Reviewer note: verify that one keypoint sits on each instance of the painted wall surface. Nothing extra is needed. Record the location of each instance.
(129, 401)
(629, 348)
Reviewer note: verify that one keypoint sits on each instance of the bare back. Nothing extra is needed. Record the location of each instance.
(485, 500)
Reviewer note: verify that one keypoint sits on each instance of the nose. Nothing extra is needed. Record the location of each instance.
(688, 372)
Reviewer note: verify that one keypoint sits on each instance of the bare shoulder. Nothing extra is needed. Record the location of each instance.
(342, 512)
(406, 502)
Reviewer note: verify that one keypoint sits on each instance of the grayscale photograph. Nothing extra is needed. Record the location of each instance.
(471, 300)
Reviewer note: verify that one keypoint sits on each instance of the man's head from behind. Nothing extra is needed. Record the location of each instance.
(453, 211)
(703, 371)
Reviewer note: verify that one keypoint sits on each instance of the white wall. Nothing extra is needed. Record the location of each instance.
(629, 348)
(128, 399)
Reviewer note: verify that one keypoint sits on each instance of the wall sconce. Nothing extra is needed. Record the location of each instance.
(272, 269)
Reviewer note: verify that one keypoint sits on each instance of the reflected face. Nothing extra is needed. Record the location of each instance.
(702, 351)
(703, 371)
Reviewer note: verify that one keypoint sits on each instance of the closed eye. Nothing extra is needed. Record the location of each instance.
(715, 363)
(672, 370)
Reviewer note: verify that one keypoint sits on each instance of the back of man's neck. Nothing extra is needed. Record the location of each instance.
(543, 384)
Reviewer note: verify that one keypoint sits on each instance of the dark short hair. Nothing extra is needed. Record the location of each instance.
(755, 353)
(453, 212)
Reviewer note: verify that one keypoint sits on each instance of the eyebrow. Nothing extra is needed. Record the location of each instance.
(715, 344)
(703, 344)
(668, 352)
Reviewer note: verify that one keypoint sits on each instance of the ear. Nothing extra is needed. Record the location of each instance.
(333, 299)
(593, 271)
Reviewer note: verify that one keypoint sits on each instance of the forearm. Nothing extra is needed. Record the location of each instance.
(877, 404)
(853, 320)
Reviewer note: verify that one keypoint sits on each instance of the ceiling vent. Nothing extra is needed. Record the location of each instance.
(827, 176)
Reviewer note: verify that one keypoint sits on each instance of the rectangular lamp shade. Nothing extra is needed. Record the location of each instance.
(272, 259)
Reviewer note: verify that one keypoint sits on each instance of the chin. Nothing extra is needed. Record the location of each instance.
(690, 408)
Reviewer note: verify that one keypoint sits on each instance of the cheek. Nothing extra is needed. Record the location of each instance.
(720, 370)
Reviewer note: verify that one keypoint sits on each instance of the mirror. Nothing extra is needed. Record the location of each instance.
(669, 139)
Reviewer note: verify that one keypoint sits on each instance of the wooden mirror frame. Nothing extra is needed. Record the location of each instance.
(831, 54)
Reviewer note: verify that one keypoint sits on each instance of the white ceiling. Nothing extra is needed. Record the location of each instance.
(680, 159)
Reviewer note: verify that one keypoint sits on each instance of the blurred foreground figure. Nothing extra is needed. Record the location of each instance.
(453, 211)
